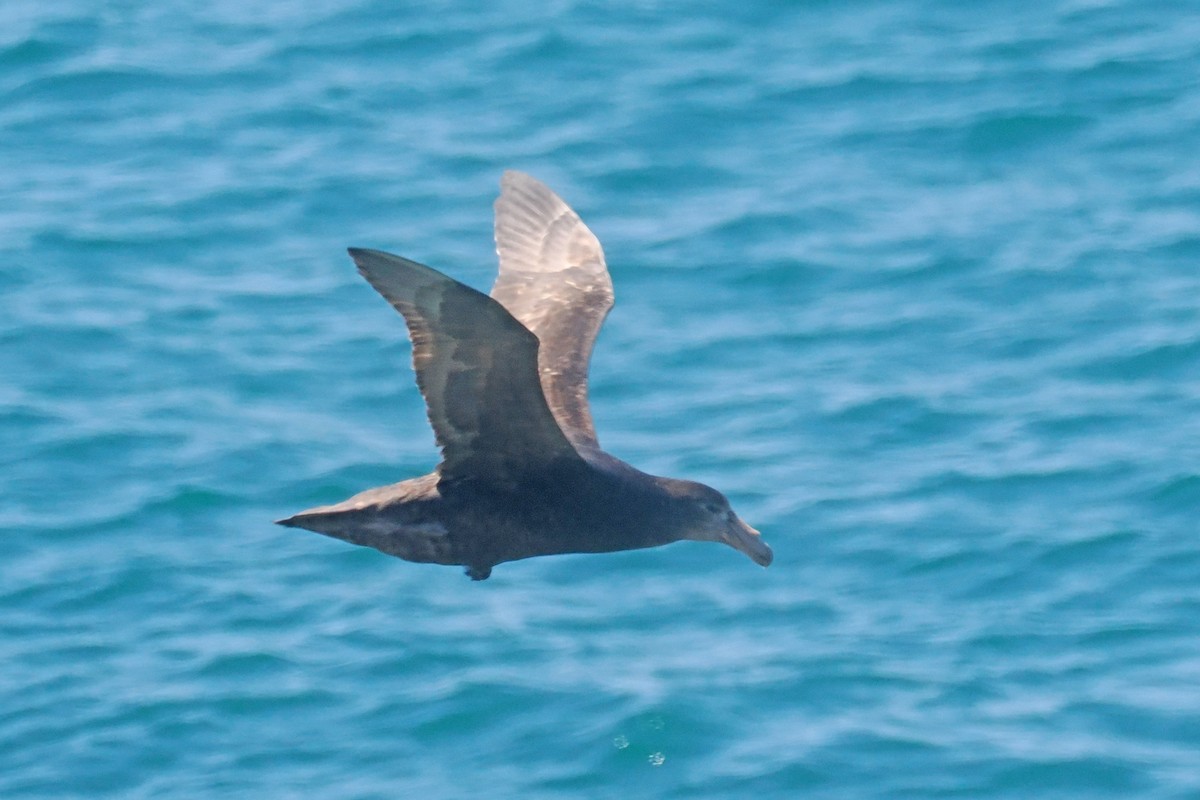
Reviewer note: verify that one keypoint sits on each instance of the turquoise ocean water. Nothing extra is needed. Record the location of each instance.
(917, 284)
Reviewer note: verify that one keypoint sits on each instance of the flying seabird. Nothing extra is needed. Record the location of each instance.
(505, 382)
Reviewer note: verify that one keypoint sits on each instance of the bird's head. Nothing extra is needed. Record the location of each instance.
(707, 517)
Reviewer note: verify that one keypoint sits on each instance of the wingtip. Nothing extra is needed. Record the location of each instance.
(360, 256)
(515, 179)
(511, 175)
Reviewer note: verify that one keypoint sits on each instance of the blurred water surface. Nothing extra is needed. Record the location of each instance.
(917, 284)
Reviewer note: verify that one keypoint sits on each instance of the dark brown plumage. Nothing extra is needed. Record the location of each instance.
(505, 383)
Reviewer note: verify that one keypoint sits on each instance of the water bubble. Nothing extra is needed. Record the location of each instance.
(656, 759)
(620, 742)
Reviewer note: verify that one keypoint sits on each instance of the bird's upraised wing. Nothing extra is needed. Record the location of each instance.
(554, 280)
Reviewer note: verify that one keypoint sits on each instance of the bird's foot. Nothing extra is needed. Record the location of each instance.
(479, 573)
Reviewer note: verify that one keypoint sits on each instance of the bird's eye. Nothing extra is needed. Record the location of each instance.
(712, 508)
